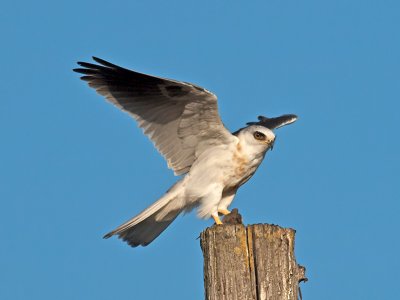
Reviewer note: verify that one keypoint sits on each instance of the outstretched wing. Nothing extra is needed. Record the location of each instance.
(180, 118)
(273, 123)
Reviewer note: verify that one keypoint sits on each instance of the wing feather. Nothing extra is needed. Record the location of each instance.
(274, 123)
(180, 118)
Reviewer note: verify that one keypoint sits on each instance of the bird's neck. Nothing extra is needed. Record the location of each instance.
(250, 152)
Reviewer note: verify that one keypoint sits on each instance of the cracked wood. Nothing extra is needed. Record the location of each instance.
(256, 262)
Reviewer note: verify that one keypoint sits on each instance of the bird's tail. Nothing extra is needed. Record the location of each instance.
(150, 223)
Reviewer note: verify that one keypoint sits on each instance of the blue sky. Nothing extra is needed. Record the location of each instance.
(72, 167)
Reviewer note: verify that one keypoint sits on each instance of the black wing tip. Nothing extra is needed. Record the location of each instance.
(98, 68)
(108, 235)
(287, 116)
(274, 123)
(293, 116)
(84, 71)
(101, 63)
(105, 63)
(99, 60)
(87, 65)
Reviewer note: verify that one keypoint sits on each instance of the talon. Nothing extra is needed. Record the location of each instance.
(217, 220)
(224, 211)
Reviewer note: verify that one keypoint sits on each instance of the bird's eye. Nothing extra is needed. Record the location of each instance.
(259, 136)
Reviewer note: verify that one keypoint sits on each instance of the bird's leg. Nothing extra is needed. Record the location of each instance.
(216, 218)
(210, 199)
(224, 211)
(225, 202)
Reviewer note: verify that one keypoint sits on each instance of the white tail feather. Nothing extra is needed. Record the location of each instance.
(146, 226)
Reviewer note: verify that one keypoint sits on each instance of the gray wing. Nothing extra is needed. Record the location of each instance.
(180, 118)
(273, 123)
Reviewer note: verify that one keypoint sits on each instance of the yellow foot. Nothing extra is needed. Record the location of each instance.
(216, 219)
(224, 211)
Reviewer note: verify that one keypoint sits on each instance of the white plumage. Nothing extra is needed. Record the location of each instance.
(183, 122)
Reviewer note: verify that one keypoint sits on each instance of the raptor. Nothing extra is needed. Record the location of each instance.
(183, 122)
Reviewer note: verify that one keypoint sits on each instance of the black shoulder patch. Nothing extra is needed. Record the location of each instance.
(175, 91)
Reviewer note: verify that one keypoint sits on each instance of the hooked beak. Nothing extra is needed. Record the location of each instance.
(271, 145)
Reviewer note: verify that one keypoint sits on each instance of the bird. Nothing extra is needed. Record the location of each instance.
(183, 122)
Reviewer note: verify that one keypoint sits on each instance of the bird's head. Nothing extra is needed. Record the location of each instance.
(257, 137)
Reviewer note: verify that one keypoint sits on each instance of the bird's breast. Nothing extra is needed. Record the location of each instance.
(228, 165)
(240, 162)
(243, 166)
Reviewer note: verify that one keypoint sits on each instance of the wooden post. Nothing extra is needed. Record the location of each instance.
(255, 262)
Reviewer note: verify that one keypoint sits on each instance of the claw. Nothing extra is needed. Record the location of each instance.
(217, 220)
(224, 211)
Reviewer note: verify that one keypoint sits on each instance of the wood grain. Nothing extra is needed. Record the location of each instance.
(256, 262)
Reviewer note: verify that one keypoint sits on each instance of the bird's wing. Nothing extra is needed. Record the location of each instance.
(180, 118)
(273, 123)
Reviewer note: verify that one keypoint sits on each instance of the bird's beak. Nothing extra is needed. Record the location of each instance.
(271, 145)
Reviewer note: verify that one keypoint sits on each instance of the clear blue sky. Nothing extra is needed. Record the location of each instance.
(72, 167)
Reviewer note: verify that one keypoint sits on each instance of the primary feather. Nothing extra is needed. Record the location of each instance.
(178, 117)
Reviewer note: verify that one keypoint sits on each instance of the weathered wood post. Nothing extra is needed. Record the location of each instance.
(255, 262)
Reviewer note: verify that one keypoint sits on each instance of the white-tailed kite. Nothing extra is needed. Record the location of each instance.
(183, 122)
